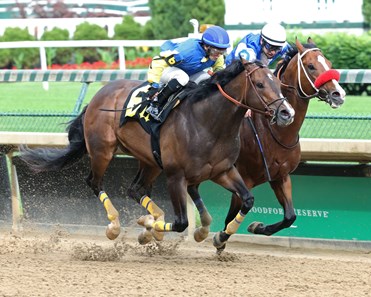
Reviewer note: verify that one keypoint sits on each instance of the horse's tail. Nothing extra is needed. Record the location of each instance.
(54, 159)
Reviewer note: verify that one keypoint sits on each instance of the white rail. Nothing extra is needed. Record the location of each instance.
(312, 149)
(120, 44)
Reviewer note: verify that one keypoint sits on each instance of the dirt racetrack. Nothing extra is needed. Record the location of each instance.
(57, 263)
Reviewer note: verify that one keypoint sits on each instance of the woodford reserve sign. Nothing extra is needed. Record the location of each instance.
(327, 207)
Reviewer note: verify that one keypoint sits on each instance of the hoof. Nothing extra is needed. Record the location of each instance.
(201, 234)
(112, 232)
(145, 237)
(159, 236)
(217, 241)
(254, 227)
(146, 221)
(221, 249)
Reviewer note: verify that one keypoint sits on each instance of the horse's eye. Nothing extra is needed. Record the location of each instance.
(311, 67)
(260, 85)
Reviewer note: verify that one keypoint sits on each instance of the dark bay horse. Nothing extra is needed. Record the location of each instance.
(269, 152)
(199, 141)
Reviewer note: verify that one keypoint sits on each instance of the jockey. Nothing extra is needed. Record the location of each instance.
(266, 46)
(178, 63)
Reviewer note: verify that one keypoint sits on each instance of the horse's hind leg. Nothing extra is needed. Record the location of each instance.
(233, 182)
(99, 161)
(282, 189)
(202, 232)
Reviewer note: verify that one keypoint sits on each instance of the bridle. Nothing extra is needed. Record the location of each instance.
(316, 85)
(268, 111)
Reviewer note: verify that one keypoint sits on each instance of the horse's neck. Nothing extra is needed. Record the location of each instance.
(216, 114)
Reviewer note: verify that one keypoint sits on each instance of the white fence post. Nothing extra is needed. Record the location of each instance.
(44, 65)
(121, 51)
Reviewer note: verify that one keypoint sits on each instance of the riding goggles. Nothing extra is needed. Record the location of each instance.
(213, 51)
(272, 48)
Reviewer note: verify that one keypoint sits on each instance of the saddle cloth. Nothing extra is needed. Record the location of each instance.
(135, 108)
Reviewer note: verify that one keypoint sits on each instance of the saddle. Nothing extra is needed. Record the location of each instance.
(135, 108)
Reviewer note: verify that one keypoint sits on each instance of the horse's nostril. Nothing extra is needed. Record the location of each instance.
(284, 113)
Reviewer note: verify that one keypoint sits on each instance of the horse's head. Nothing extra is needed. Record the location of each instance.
(314, 75)
(265, 87)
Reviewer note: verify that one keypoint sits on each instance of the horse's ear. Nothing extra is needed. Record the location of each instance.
(299, 46)
(310, 40)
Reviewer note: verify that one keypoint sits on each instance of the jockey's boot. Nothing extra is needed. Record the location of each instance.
(160, 100)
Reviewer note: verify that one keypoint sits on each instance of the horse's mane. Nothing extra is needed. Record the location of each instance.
(293, 50)
(222, 77)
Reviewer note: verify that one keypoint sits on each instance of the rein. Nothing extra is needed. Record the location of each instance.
(300, 64)
(268, 111)
(238, 103)
(289, 147)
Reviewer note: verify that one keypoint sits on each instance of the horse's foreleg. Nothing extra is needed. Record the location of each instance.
(157, 215)
(202, 232)
(152, 207)
(155, 221)
(233, 182)
(178, 195)
(283, 190)
(156, 218)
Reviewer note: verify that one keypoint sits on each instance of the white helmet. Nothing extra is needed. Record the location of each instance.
(274, 34)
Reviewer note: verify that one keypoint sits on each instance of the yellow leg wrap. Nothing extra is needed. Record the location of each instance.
(162, 226)
(112, 213)
(233, 226)
(152, 208)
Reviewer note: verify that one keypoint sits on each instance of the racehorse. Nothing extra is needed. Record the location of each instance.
(199, 141)
(269, 152)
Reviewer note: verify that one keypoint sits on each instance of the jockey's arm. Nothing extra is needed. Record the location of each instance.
(245, 52)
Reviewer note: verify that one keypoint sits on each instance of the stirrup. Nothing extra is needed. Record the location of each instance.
(157, 116)
(152, 110)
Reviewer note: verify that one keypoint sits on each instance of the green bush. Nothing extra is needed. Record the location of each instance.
(129, 29)
(347, 51)
(87, 31)
(22, 57)
(57, 55)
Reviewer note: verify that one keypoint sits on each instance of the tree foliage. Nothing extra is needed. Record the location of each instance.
(57, 55)
(170, 19)
(18, 57)
(129, 29)
(87, 31)
(366, 10)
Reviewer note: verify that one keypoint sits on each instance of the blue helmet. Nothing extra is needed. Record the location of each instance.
(216, 36)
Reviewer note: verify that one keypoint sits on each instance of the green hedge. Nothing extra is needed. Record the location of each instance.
(346, 51)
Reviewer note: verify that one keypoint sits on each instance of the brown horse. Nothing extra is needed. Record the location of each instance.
(269, 152)
(199, 141)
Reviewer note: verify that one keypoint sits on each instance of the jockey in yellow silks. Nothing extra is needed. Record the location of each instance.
(178, 63)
